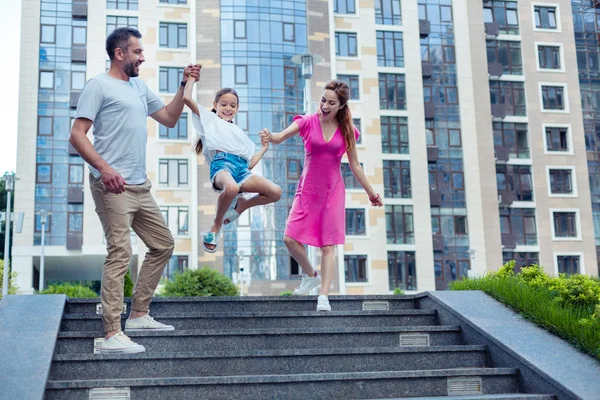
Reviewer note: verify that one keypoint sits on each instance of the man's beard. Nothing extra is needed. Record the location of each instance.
(129, 69)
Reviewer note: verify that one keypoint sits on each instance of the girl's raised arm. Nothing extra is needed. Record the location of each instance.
(187, 96)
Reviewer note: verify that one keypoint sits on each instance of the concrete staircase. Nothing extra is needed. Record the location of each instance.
(369, 347)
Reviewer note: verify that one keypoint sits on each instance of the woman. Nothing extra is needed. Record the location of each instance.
(317, 217)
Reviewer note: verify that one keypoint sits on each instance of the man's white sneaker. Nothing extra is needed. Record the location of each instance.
(323, 303)
(119, 343)
(146, 323)
(307, 284)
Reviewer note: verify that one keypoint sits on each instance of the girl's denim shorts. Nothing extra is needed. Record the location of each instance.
(235, 165)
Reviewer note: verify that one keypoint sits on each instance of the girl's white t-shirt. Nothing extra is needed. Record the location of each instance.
(218, 134)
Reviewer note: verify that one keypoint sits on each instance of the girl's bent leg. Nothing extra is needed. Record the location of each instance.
(268, 192)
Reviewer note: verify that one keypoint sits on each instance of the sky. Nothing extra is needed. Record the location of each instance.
(10, 43)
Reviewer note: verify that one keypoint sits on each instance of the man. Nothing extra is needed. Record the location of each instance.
(117, 104)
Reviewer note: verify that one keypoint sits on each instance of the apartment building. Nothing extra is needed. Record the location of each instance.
(477, 120)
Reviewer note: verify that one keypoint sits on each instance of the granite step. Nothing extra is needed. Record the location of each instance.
(258, 320)
(267, 339)
(265, 362)
(349, 385)
(183, 305)
(515, 396)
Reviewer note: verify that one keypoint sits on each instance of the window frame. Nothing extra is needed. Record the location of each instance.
(577, 221)
(351, 79)
(569, 138)
(367, 269)
(166, 69)
(561, 58)
(386, 122)
(405, 237)
(558, 28)
(349, 35)
(571, 169)
(166, 25)
(401, 166)
(335, 5)
(569, 254)
(545, 87)
(365, 212)
(386, 20)
(53, 26)
(179, 184)
(400, 101)
(178, 125)
(293, 25)
(396, 61)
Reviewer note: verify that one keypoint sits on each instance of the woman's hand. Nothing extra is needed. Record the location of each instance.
(376, 200)
(265, 137)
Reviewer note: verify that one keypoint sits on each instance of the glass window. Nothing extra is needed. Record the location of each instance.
(352, 82)
(557, 139)
(48, 34)
(356, 268)
(77, 80)
(392, 92)
(390, 52)
(388, 12)
(396, 179)
(345, 44)
(507, 53)
(399, 224)
(561, 181)
(568, 264)
(517, 179)
(289, 32)
(402, 270)
(176, 265)
(394, 135)
(122, 4)
(44, 173)
(522, 259)
(75, 222)
(76, 173)
(565, 225)
(549, 57)
(114, 22)
(173, 35)
(45, 125)
(513, 137)
(46, 80)
(239, 29)
(350, 181)
(545, 17)
(173, 173)
(173, 1)
(169, 79)
(79, 35)
(355, 221)
(344, 7)
(520, 223)
(509, 94)
(241, 74)
(553, 97)
(358, 125)
(179, 132)
(503, 13)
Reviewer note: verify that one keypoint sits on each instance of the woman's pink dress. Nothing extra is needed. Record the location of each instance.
(318, 214)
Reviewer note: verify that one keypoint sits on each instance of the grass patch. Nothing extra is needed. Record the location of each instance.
(566, 306)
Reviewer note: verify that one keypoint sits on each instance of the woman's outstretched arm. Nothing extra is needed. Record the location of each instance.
(289, 132)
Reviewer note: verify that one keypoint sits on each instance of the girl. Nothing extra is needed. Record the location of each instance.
(230, 153)
(317, 217)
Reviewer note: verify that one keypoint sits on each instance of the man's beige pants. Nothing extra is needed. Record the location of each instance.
(118, 213)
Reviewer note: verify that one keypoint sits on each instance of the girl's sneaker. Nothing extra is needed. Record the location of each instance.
(323, 303)
(307, 284)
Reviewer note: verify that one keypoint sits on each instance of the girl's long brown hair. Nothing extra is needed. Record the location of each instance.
(198, 145)
(343, 116)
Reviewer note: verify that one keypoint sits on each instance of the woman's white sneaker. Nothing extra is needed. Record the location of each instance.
(323, 303)
(146, 323)
(119, 343)
(307, 284)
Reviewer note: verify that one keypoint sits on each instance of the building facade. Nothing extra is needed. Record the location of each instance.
(476, 130)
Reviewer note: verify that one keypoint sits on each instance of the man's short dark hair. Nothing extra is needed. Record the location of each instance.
(119, 38)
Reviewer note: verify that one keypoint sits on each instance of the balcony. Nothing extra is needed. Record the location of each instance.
(74, 240)
(509, 242)
(427, 69)
(74, 99)
(492, 29)
(75, 195)
(502, 154)
(438, 242)
(506, 198)
(79, 9)
(424, 28)
(495, 70)
(429, 111)
(435, 197)
(433, 154)
(498, 112)
(78, 54)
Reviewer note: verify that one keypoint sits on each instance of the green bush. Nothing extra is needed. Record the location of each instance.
(398, 291)
(200, 282)
(72, 291)
(287, 293)
(128, 285)
(12, 287)
(506, 270)
(576, 290)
